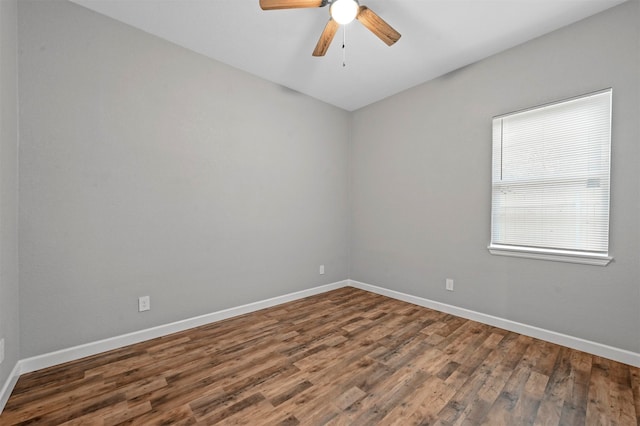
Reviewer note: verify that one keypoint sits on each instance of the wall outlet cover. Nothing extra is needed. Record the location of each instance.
(144, 303)
(449, 284)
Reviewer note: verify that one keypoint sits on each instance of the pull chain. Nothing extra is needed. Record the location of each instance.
(344, 43)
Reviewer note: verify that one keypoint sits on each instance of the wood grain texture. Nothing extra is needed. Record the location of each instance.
(378, 26)
(325, 38)
(347, 357)
(289, 4)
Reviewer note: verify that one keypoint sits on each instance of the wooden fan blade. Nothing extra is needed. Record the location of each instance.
(326, 37)
(377, 25)
(290, 4)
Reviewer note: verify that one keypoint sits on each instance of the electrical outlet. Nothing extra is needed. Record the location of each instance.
(321, 269)
(1, 350)
(144, 303)
(449, 284)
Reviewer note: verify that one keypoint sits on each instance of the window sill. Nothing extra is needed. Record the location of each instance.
(553, 255)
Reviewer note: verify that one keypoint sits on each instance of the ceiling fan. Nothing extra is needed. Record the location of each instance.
(341, 12)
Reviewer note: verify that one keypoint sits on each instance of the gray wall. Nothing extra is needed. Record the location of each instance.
(9, 318)
(146, 169)
(421, 185)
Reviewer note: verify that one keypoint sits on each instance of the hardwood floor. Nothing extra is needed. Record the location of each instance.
(347, 357)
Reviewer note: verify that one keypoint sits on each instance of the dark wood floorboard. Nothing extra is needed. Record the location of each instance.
(347, 357)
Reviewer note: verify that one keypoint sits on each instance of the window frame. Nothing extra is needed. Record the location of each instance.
(553, 254)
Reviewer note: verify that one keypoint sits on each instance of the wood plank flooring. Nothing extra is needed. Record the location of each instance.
(347, 357)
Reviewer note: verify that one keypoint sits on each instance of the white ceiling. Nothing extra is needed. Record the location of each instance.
(438, 36)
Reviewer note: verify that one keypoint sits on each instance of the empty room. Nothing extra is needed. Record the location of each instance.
(282, 212)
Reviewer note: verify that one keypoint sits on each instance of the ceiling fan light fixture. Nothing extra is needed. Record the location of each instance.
(344, 11)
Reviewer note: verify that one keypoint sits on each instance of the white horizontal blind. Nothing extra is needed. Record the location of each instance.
(551, 176)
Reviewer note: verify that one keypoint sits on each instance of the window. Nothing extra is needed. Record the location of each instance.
(550, 192)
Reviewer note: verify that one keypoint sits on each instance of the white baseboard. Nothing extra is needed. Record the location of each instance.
(71, 354)
(76, 352)
(8, 386)
(594, 348)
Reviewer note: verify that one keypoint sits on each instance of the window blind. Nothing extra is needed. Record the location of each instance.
(550, 176)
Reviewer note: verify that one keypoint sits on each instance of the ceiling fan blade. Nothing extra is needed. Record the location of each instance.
(290, 4)
(326, 37)
(377, 25)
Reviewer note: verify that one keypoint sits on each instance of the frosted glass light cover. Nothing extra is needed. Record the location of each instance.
(344, 11)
